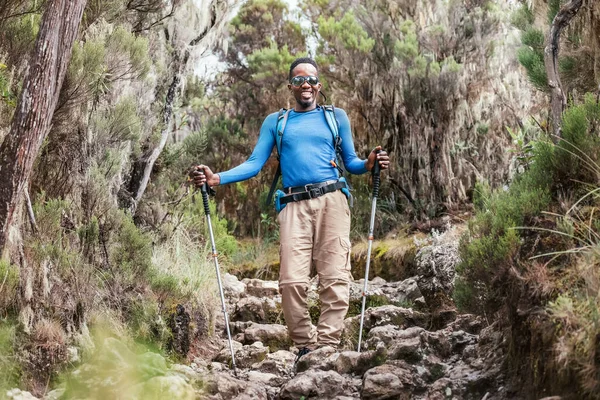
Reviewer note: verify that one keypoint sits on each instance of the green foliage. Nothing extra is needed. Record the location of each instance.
(371, 301)
(145, 321)
(533, 38)
(533, 61)
(109, 55)
(553, 8)
(270, 62)
(451, 65)
(348, 31)
(10, 377)
(184, 270)
(5, 90)
(114, 367)
(9, 283)
(119, 124)
(134, 48)
(407, 48)
(419, 67)
(492, 243)
(131, 251)
(576, 152)
(523, 17)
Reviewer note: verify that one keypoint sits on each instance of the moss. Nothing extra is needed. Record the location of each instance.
(436, 371)
(371, 302)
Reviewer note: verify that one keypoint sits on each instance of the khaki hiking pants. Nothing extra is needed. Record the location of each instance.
(315, 231)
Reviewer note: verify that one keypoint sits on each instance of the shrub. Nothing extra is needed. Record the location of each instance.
(9, 283)
(491, 245)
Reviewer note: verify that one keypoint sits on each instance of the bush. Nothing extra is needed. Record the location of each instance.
(490, 247)
(9, 283)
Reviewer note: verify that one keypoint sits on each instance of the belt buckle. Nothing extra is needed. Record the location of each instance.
(314, 192)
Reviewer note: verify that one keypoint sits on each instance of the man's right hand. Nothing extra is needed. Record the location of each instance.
(201, 174)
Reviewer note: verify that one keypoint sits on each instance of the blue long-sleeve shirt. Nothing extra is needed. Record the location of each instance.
(307, 149)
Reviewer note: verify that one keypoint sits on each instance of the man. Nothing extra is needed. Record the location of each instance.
(315, 229)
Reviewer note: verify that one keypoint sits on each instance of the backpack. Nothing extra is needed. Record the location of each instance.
(334, 126)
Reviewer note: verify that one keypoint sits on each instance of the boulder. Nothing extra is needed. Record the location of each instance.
(316, 384)
(260, 288)
(279, 363)
(245, 356)
(388, 382)
(272, 335)
(223, 386)
(320, 358)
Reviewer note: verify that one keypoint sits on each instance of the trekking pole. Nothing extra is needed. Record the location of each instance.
(376, 170)
(205, 190)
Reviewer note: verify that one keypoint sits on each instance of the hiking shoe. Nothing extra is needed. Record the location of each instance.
(301, 352)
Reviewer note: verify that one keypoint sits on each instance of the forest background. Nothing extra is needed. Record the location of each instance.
(101, 229)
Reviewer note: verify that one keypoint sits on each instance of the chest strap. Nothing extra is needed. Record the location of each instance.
(306, 192)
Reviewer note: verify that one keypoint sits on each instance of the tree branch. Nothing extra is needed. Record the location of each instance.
(558, 101)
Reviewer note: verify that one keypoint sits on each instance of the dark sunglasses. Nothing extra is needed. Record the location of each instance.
(299, 80)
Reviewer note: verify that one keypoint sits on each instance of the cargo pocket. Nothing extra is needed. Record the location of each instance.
(346, 248)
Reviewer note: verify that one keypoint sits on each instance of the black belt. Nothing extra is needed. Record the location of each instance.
(306, 192)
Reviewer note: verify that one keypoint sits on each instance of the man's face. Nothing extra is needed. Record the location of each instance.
(305, 94)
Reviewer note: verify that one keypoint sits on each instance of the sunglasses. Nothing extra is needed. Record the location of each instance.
(299, 80)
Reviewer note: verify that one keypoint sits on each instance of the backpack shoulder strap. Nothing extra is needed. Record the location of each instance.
(334, 126)
(279, 128)
(282, 118)
(331, 119)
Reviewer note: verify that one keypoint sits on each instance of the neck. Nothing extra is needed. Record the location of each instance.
(300, 108)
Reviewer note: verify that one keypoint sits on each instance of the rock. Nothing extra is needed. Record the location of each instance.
(389, 334)
(315, 384)
(261, 310)
(397, 293)
(279, 363)
(438, 343)
(186, 372)
(162, 387)
(317, 359)
(272, 335)
(73, 355)
(392, 315)
(409, 350)
(260, 288)
(436, 266)
(232, 286)
(245, 356)
(266, 379)
(223, 386)
(352, 362)
(460, 339)
(18, 394)
(179, 324)
(388, 382)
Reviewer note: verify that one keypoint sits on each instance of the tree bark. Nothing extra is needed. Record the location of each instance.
(37, 102)
(558, 101)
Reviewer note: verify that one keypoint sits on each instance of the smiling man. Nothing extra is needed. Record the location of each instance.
(315, 221)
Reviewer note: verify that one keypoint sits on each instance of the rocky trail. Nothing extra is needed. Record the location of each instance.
(415, 346)
(410, 351)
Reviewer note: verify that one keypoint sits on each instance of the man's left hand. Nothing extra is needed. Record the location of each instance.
(382, 157)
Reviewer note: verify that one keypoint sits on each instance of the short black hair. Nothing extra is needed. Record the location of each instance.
(302, 60)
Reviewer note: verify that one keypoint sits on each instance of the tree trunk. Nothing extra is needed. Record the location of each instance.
(37, 101)
(558, 101)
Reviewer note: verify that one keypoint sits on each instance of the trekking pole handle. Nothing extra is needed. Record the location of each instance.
(376, 176)
(204, 189)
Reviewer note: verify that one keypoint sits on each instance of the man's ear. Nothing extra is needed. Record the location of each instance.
(289, 86)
